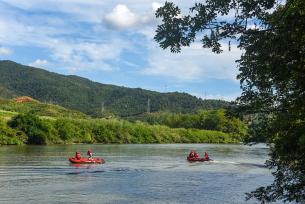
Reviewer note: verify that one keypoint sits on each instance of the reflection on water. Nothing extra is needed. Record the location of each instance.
(131, 174)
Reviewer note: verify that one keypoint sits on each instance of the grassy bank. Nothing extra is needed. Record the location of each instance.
(13, 107)
(31, 129)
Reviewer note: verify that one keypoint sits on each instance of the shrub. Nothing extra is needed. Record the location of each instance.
(36, 129)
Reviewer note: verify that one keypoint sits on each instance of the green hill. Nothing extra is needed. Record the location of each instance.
(9, 108)
(91, 97)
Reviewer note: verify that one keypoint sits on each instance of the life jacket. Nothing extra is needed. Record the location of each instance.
(196, 155)
(89, 152)
(78, 155)
(206, 155)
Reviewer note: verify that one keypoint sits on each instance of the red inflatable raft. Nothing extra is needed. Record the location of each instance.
(87, 160)
(193, 159)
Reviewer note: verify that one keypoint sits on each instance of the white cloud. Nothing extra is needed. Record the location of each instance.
(88, 56)
(5, 51)
(163, 63)
(39, 63)
(14, 32)
(121, 17)
(80, 54)
(193, 63)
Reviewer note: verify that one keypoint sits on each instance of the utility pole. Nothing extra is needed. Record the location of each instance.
(148, 105)
(103, 107)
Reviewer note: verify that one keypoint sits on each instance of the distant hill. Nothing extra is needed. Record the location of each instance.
(91, 97)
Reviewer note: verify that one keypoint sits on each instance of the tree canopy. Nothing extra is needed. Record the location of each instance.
(272, 74)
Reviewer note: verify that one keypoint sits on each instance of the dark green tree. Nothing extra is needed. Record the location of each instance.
(37, 130)
(272, 74)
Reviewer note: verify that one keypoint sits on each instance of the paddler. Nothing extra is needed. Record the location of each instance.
(206, 156)
(192, 154)
(197, 155)
(78, 155)
(90, 153)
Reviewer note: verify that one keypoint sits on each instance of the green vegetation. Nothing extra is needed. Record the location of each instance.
(90, 97)
(11, 107)
(9, 136)
(33, 122)
(272, 75)
(7, 114)
(30, 129)
(36, 130)
(217, 120)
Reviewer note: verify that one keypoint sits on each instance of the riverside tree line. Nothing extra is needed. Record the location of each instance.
(204, 127)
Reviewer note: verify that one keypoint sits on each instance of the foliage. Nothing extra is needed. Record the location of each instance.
(208, 20)
(204, 119)
(278, 78)
(272, 74)
(120, 131)
(72, 131)
(68, 130)
(259, 128)
(37, 130)
(38, 108)
(7, 114)
(99, 100)
(5, 93)
(9, 136)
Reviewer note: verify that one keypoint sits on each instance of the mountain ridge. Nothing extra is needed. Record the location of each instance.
(91, 97)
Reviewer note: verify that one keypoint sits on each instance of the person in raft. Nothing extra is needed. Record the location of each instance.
(206, 156)
(90, 154)
(192, 154)
(78, 155)
(197, 155)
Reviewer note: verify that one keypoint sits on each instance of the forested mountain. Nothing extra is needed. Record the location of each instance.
(92, 97)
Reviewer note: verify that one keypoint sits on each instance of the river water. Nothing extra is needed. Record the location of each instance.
(131, 174)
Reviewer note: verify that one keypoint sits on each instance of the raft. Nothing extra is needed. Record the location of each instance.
(85, 160)
(193, 159)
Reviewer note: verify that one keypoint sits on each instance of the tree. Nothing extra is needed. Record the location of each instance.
(272, 74)
(36, 129)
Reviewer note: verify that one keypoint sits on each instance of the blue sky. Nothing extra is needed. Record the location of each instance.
(112, 42)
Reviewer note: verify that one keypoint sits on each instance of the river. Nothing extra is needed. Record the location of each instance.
(132, 174)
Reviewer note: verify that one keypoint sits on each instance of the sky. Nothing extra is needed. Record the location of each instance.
(112, 42)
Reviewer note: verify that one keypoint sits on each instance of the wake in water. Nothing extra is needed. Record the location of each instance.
(104, 170)
(225, 162)
(245, 164)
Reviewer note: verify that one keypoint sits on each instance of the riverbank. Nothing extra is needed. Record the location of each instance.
(31, 129)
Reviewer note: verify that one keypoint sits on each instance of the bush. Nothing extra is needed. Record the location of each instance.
(217, 120)
(36, 129)
(9, 136)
